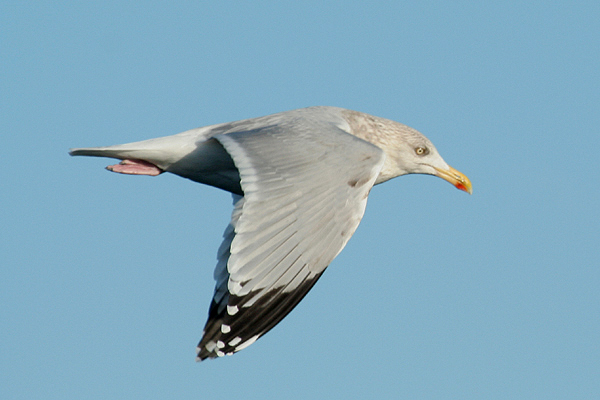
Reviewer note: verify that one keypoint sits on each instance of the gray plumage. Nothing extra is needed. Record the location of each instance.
(300, 181)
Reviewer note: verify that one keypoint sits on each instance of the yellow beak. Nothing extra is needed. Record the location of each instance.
(456, 178)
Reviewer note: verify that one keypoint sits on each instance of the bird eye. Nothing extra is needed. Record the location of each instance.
(421, 151)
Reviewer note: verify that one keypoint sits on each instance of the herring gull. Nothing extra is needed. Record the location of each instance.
(300, 181)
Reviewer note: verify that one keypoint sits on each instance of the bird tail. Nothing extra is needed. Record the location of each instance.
(161, 152)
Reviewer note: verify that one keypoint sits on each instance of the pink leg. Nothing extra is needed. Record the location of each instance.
(135, 167)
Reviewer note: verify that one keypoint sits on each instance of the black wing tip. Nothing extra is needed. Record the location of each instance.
(203, 354)
(226, 333)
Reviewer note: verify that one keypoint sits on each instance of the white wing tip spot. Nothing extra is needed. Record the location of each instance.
(235, 341)
(232, 310)
(210, 346)
(234, 287)
(225, 328)
(247, 343)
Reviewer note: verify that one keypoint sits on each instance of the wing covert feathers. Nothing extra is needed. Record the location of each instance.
(305, 191)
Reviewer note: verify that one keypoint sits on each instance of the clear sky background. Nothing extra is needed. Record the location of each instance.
(106, 279)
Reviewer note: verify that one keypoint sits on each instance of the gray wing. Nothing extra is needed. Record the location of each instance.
(305, 191)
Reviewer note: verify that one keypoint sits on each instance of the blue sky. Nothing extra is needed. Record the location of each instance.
(106, 279)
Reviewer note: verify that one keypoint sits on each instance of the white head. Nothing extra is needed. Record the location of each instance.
(407, 150)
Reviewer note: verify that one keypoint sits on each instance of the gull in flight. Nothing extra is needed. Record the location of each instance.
(300, 181)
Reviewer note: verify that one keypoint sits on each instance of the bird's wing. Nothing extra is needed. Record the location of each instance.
(305, 192)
